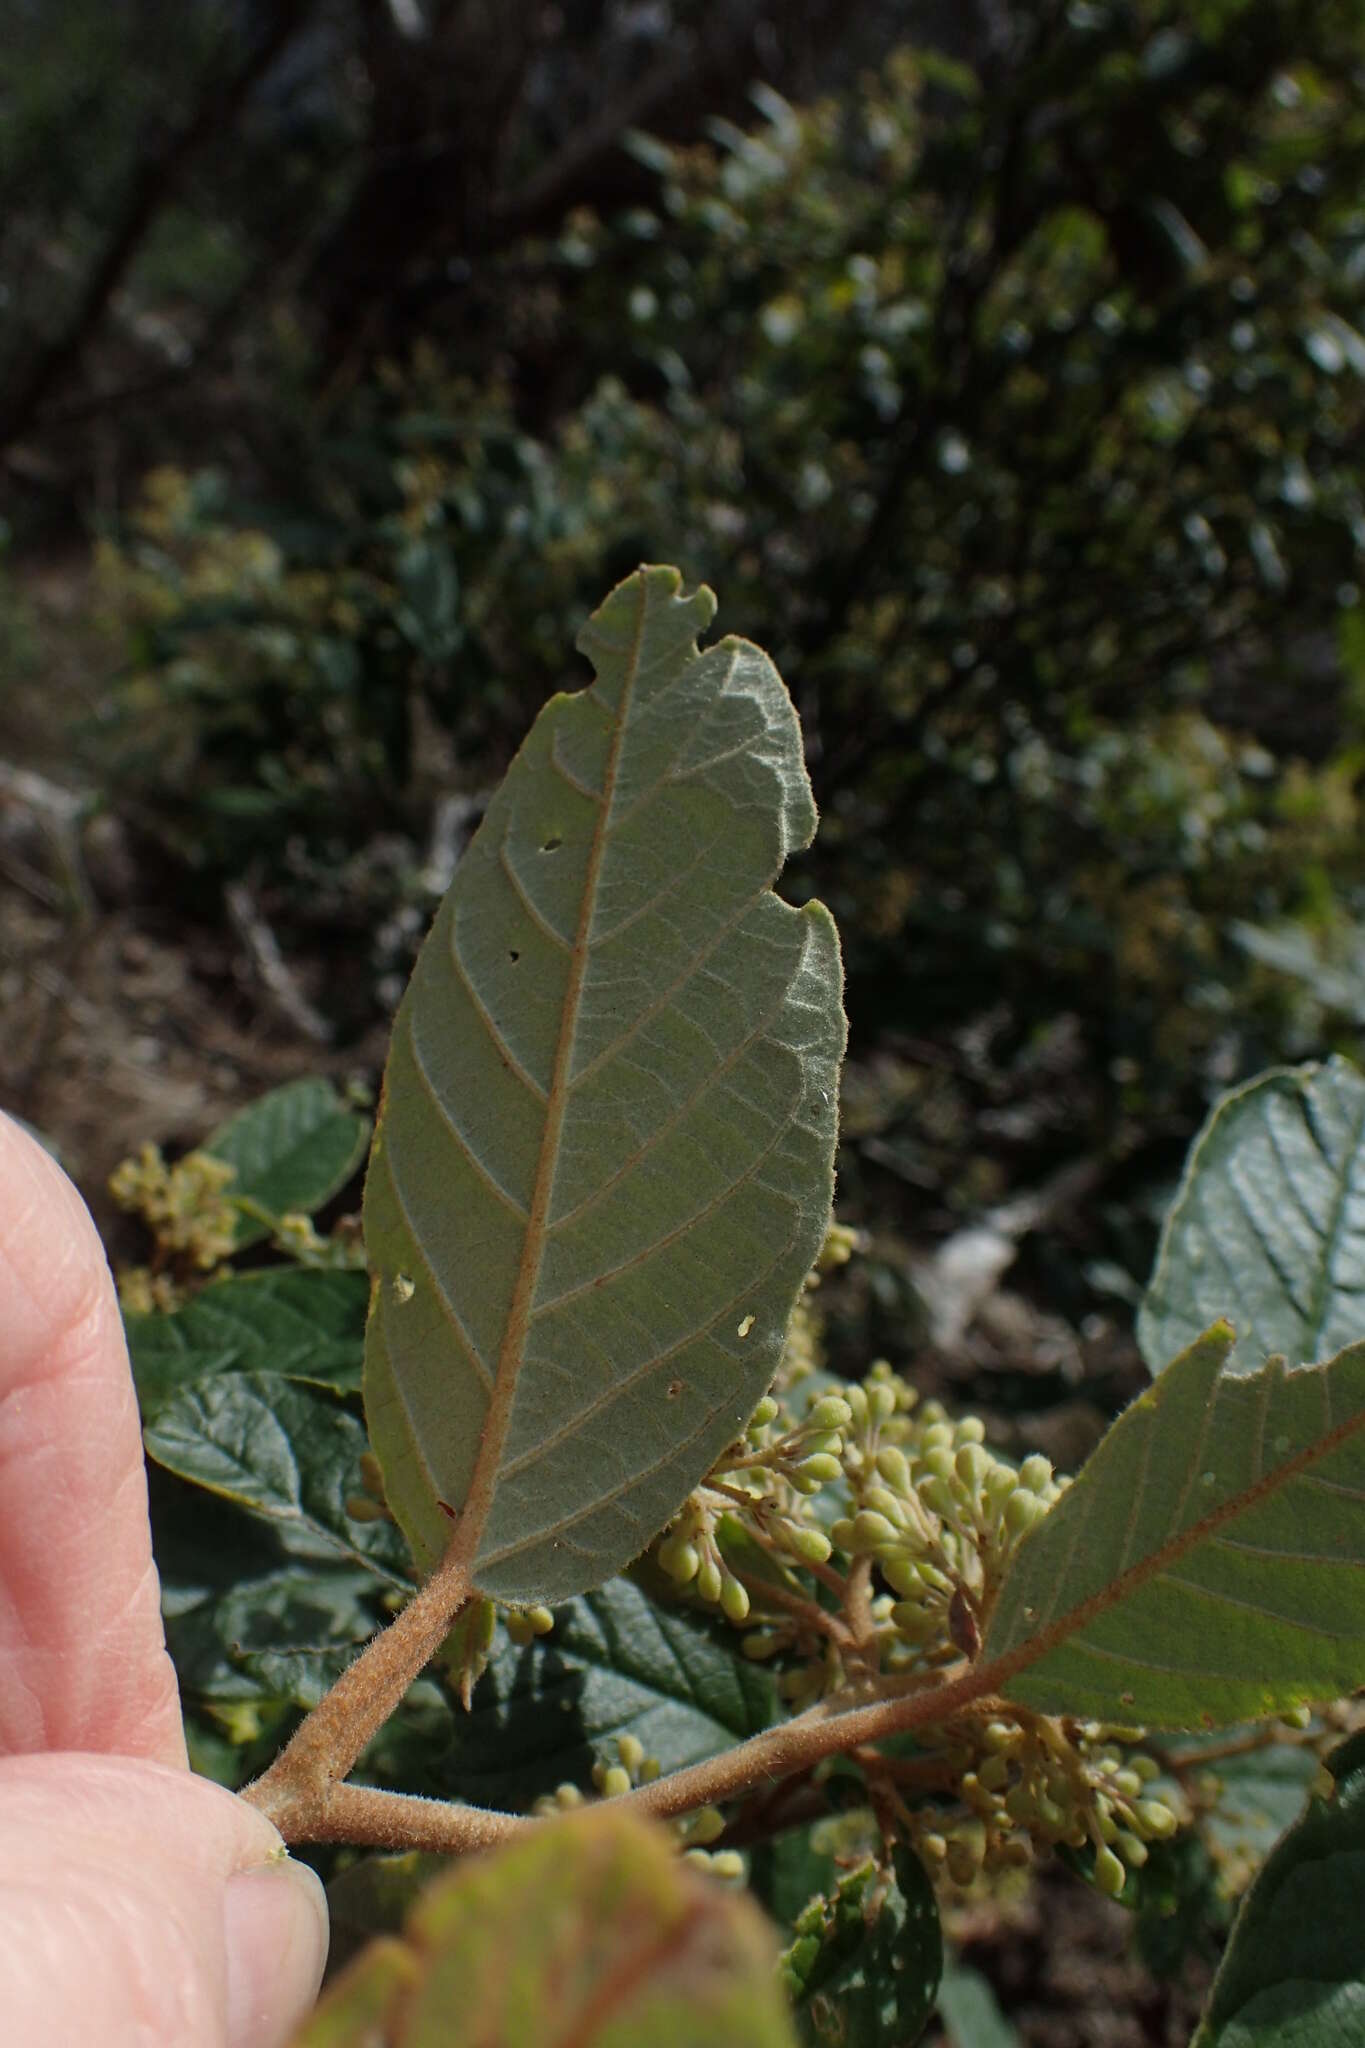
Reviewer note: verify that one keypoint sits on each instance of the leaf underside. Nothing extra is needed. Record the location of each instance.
(1208, 1564)
(604, 1160)
(1268, 1226)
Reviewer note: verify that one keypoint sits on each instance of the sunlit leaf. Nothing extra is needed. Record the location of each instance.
(604, 1159)
(1206, 1565)
(590, 1933)
(1268, 1226)
(293, 1150)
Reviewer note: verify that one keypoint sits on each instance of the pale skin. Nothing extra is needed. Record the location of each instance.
(138, 1903)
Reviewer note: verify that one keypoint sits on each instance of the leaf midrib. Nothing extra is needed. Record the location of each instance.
(511, 1353)
(997, 1672)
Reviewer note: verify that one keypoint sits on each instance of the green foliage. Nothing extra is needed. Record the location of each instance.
(1270, 1217)
(589, 1932)
(300, 1324)
(609, 1116)
(290, 1153)
(864, 1967)
(949, 1662)
(1293, 1969)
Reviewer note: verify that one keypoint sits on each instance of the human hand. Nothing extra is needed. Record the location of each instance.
(138, 1903)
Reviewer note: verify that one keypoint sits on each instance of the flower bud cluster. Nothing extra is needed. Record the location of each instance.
(938, 1512)
(183, 1204)
(694, 1831)
(765, 1480)
(1028, 1781)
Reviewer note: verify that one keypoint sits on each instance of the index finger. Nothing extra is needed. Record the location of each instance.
(83, 1661)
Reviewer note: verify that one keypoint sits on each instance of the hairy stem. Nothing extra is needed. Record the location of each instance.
(302, 1791)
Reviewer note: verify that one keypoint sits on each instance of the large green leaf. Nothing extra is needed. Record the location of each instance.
(589, 1933)
(615, 1664)
(287, 1451)
(1206, 1565)
(604, 1158)
(293, 1150)
(1293, 1975)
(302, 1323)
(1268, 1225)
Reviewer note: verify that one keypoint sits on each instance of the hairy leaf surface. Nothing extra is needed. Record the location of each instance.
(589, 1933)
(1268, 1225)
(604, 1158)
(1206, 1566)
(1293, 1975)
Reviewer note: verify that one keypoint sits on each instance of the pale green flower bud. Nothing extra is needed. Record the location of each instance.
(764, 1413)
(856, 1399)
(631, 1751)
(881, 1403)
(1022, 1511)
(680, 1559)
(615, 1782)
(883, 1502)
(972, 1465)
(902, 1573)
(1131, 1849)
(939, 1462)
(734, 1600)
(1036, 1473)
(894, 1467)
(939, 1434)
(707, 1825)
(830, 1412)
(1110, 1875)
(871, 1530)
(970, 1430)
(709, 1580)
(823, 1467)
(1156, 1818)
(841, 1533)
(812, 1544)
(728, 1865)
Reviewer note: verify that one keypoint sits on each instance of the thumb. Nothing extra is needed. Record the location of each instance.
(141, 1905)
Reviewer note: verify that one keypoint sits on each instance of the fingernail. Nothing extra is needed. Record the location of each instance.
(275, 1927)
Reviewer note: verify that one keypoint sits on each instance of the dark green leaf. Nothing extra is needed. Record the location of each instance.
(293, 1150)
(614, 1664)
(872, 1977)
(1293, 1975)
(299, 1323)
(285, 1450)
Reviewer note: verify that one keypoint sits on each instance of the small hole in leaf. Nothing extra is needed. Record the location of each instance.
(745, 1326)
(512, 953)
(403, 1287)
(674, 1388)
(552, 845)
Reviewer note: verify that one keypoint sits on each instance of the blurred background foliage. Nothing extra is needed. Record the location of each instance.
(1001, 366)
